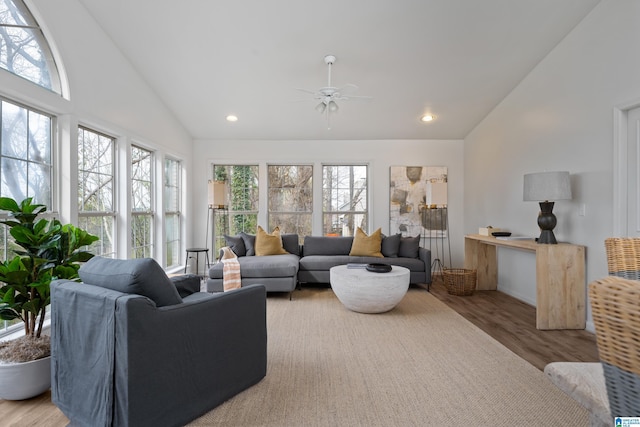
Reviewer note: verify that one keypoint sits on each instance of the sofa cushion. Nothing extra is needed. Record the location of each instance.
(236, 243)
(409, 247)
(390, 245)
(321, 245)
(262, 266)
(269, 243)
(364, 245)
(249, 241)
(132, 276)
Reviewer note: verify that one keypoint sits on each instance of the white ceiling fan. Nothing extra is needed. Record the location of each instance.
(328, 95)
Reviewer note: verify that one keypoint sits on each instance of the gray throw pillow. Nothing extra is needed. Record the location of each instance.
(249, 241)
(236, 243)
(186, 284)
(131, 276)
(409, 247)
(390, 245)
(290, 243)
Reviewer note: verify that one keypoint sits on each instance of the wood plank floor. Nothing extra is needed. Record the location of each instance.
(506, 319)
(513, 323)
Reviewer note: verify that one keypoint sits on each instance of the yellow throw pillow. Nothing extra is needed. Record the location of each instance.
(269, 244)
(364, 245)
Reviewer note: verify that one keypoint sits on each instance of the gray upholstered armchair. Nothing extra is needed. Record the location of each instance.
(130, 348)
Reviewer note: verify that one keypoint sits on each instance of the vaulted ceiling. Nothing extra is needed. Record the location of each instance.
(455, 59)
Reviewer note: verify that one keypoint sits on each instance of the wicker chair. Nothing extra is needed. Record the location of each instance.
(614, 306)
(623, 257)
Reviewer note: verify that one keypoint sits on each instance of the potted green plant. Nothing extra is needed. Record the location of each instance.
(45, 250)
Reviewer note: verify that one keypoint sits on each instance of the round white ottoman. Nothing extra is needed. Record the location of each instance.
(366, 292)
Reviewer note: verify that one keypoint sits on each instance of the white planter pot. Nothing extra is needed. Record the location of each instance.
(20, 381)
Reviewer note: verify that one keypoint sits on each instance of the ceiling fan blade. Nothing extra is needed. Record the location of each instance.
(347, 89)
(357, 97)
(312, 92)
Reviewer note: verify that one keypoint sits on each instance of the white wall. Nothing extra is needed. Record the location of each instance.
(105, 93)
(560, 117)
(379, 154)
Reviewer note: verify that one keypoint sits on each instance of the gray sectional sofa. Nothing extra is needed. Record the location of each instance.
(311, 262)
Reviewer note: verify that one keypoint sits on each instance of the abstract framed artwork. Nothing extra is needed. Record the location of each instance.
(418, 200)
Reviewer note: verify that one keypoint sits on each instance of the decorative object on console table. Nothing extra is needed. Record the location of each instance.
(217, 198)
(546, 188)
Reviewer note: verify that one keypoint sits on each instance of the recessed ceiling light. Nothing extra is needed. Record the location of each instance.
(428, 118)
(232, 118)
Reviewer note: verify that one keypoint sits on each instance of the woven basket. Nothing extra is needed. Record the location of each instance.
(614, 307)
(623, 257)
(460, 281)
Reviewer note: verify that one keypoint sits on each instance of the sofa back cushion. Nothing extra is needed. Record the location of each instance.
(321, 245)
(131, 276)
(236, 243)
(249, 241)
(409, 247)
(290, 243)
(390, 245)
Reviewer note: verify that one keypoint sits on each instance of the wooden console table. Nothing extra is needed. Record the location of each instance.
(560, 277)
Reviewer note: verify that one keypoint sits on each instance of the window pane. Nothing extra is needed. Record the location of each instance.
(344, 199)
(103, 227)
(290, 198)
(14, 131)
(141, 237)
(14, 179)
(24, 51)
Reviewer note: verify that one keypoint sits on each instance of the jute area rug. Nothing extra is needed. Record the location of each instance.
(420, 364)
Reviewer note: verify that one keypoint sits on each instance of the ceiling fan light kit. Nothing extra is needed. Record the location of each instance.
(328, 95)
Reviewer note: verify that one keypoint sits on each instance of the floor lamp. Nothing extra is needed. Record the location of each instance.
(438, 213)
(217, 198)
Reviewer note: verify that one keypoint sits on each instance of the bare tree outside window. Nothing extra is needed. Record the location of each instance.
(141, 203)
(291, 198)
(96, 183)
(24, 51)
(344, 199)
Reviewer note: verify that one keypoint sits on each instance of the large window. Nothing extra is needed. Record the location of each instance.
(24, 51)
(242, 211)
(25, 153)
(291, 198)
(96, 183)
(172, 215)
(141, 203)
(344, 199)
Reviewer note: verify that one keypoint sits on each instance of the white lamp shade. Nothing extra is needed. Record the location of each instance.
(217, 193)
(547, 186)
(438, 193)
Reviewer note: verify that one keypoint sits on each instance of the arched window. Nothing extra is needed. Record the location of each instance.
(24, 51)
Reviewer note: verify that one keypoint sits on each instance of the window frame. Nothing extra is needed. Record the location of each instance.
(44, 46)
(85, 214)
(177, 213)
(272, 213)
(148, 248)
(351, 188)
